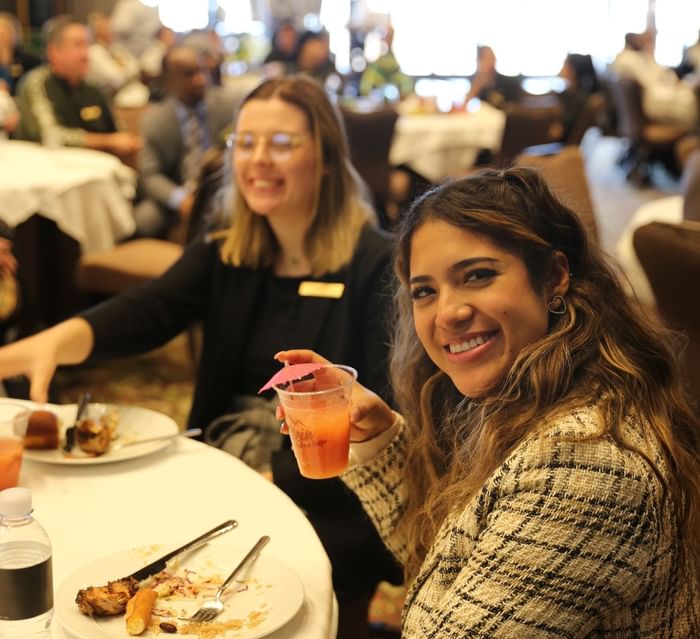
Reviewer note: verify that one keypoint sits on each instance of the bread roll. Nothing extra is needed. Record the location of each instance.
(138, 611)
(42, 430)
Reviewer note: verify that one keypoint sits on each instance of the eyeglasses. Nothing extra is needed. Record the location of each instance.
(280, 145)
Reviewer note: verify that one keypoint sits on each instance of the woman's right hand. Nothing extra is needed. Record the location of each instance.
(370, 415)
(38, 356)
(35, 358)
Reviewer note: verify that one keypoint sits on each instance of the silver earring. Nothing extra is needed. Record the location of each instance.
(557, 305)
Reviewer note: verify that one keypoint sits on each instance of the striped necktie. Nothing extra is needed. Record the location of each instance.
(192, 158)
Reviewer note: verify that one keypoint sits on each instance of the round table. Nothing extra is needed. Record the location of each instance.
(170, 497)
(85, 192)
(442, 144)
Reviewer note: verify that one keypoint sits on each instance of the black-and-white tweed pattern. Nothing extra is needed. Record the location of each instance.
(566, 539)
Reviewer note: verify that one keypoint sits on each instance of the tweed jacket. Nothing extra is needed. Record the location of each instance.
(566, 539)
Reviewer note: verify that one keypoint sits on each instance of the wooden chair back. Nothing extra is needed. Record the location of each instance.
(565, 172)
(369, 138)
(670, 256)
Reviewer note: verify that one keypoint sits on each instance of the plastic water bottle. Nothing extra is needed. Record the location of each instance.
(26, 584)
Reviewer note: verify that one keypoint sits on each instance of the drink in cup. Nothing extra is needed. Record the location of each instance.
(317, 412)
(13, 425)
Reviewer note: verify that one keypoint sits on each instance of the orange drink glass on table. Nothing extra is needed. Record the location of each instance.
(13, 425)
(317, 412)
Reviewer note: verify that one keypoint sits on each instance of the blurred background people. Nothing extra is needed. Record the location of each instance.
(14, 60)
(176, 133)
(283, 47)
(135, 25)
(314, 58)
(665, 98)
(9, 114)
(57, 106)
(385, 70)
(112, 67)
(489, 85)
(151, 62)
(581, 81)
(208, 44)
(691, 57)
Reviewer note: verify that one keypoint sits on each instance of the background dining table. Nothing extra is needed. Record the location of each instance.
(61, 203)
(437, 145)
(170, 497)
(86, 193)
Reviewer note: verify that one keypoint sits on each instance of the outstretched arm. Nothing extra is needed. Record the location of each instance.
(37, 357)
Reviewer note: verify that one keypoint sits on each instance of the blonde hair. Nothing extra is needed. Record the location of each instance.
(339, 212)
(601, 346)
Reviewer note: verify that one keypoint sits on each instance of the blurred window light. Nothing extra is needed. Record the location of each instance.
(529, 37)
(238, 16)
(334, 17)
(677, 24)
(184, 16)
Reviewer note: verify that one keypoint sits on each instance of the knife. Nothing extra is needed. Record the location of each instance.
(159, 564)
(70, 431)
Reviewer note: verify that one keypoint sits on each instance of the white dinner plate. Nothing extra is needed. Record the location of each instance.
(133, 423)
(271, 592)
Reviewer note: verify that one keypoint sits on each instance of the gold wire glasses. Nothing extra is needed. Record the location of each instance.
(279, 144)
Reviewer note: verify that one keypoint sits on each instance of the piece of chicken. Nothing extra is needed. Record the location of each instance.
(93, 436)
(106, 600)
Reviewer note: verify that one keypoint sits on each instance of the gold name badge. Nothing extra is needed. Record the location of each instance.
(90, 113)
(332, 290)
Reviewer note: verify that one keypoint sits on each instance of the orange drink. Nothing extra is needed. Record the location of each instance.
(13, 424)
(317, 412)
(10, 461)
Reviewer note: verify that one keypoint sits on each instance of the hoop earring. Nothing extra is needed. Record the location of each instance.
(557, 305)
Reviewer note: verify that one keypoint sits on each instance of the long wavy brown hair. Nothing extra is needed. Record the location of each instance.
(603, 348)
(339, 212)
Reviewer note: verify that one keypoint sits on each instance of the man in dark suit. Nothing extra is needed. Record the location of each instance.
(176, 133)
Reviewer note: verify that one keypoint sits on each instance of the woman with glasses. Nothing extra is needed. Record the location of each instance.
(302, 263)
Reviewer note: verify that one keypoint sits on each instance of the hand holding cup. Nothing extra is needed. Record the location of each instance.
(369, 414)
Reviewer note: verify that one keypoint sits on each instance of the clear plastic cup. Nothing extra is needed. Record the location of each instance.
(317, 412)
(13, 426)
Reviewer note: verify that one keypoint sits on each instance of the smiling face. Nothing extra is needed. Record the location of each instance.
(474, 306)
(274, 182)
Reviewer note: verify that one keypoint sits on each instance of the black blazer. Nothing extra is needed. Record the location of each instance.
(350, 330)
(200, 287)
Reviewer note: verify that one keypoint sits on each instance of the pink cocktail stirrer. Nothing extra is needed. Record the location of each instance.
(290, 373)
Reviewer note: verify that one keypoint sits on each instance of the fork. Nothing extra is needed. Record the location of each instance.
(212, 608)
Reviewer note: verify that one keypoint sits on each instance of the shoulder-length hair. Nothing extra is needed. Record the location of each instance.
(339, 212)
(601, 348)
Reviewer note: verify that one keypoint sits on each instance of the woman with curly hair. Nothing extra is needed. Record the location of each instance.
(544, 480)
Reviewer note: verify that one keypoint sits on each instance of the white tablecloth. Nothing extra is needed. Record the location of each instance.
(441, 144)
(171, 497)
(85, 192)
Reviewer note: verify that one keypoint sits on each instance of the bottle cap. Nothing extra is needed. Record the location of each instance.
(15, 502)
